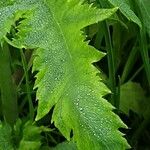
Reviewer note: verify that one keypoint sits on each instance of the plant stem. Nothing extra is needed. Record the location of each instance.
(136, 73)
(25, 67)
(146, 63)
(129, 64)
(144, 53)
(143, 40)
(111, 62)
(8, 90)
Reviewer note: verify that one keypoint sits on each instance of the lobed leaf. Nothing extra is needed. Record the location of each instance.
(66, 77)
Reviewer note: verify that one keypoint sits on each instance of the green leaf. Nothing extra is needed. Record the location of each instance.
(31, 137)
(66, 77)
(5, 137)
(65, 146)
(9, 14)
(4, 3)
(132, 97)
(124, 7)
(145, 11)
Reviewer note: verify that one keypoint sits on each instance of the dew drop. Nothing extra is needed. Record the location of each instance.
(81, 109)
(84, 113)
(56, 78)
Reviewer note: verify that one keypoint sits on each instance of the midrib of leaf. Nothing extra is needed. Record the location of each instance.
(74, 69)
(61, 31)
(67, 49)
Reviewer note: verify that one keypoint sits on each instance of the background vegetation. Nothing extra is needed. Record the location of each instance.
(125, 38)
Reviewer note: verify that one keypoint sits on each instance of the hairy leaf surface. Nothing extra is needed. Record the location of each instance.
(66, 77)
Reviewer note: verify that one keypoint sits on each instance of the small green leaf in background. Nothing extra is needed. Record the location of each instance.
(65, 146)
(124, 7)
(133, 98)
(5, 137)
(31, 139)
(23, 136)
(145, 11)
